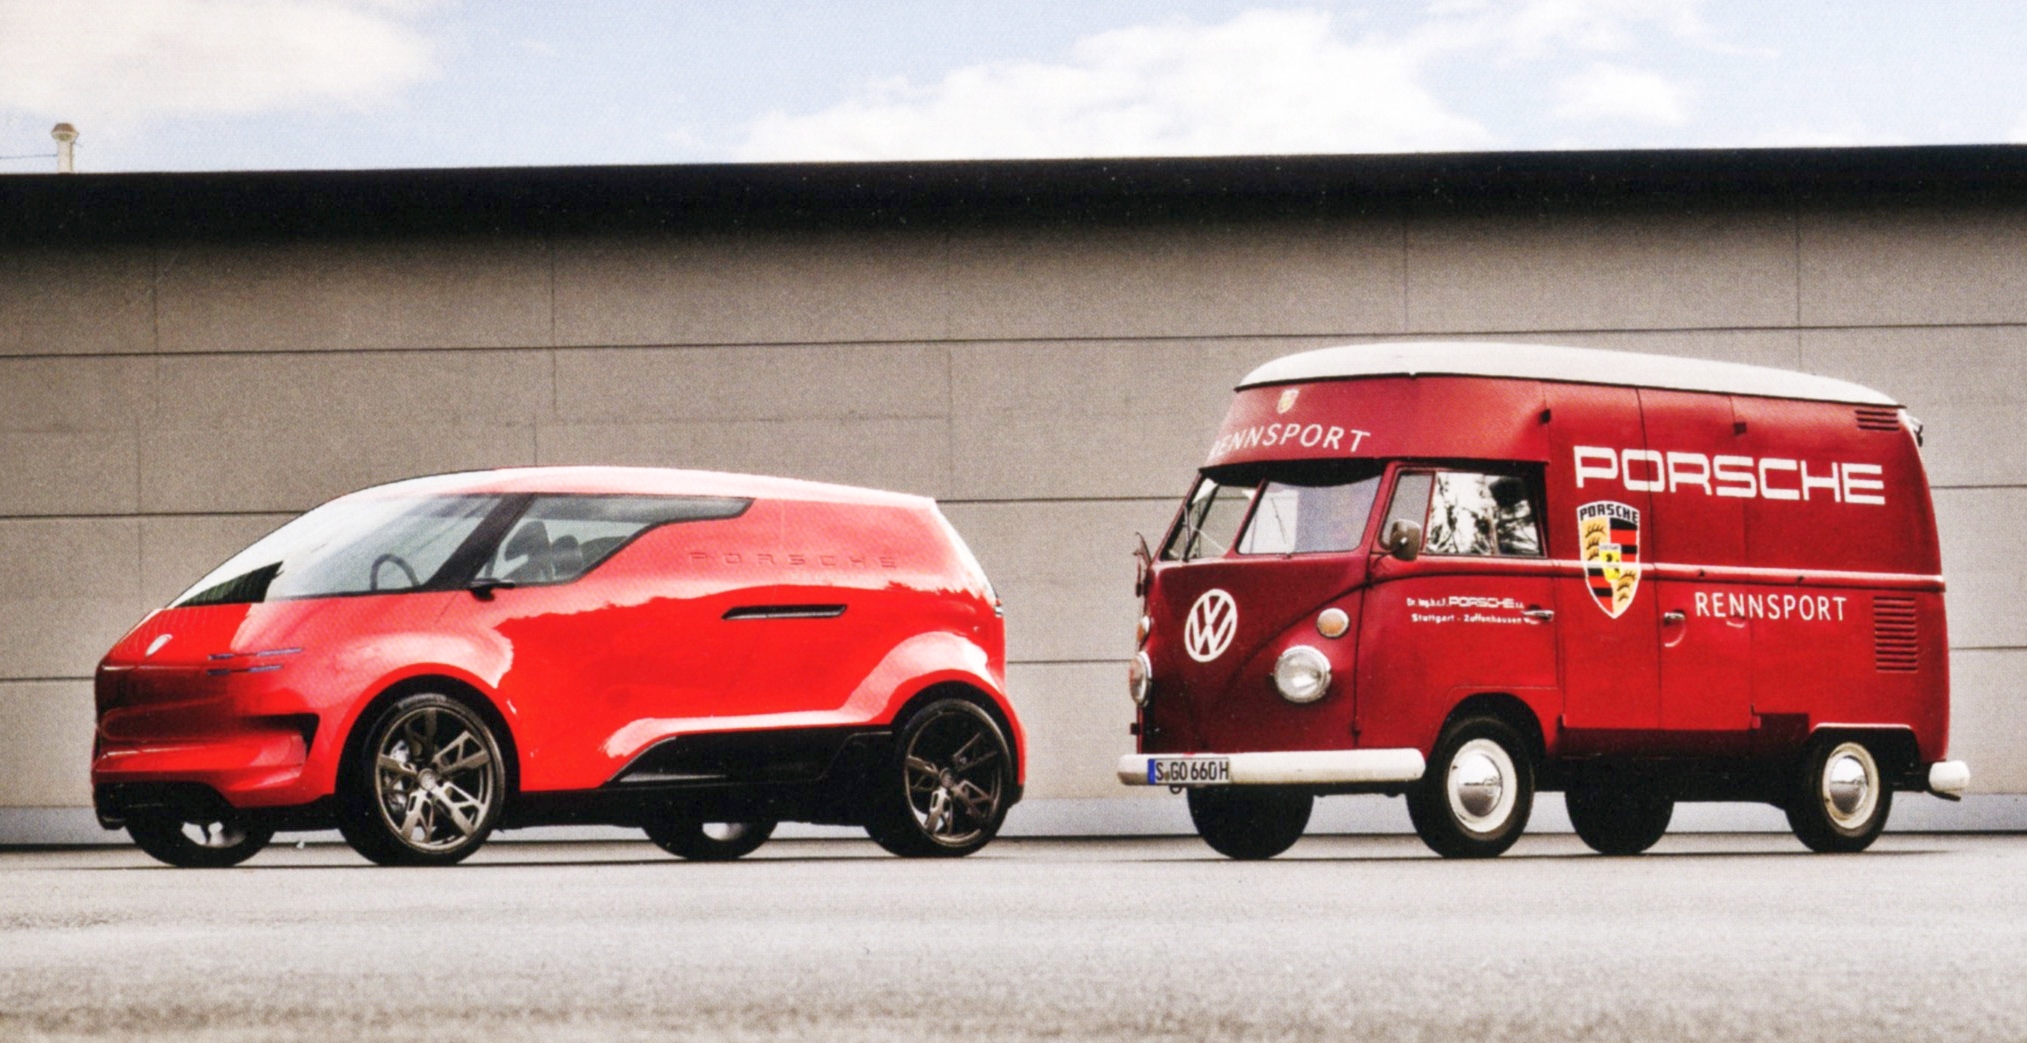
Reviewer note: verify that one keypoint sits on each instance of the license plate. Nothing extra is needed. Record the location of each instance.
(1189, 771)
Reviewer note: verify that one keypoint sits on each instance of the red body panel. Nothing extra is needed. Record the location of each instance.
(256, 700)
(1781, 546)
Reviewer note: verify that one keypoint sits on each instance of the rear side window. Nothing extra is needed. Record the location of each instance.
(559, 538)
(1470, 512)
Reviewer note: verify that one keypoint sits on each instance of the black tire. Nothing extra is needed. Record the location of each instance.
(942, 790)
(708, 841)
(425, 785)
(1840, 797)
(1249, 822)
(191, 844)
(1475, 797)
(1622, 817)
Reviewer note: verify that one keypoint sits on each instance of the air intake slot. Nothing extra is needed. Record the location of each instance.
(1896, 642)
(1876, 418)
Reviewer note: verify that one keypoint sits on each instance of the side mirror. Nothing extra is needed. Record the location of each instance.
(1403, 540)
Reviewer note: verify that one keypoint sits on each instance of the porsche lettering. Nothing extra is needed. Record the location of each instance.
(1740, 477)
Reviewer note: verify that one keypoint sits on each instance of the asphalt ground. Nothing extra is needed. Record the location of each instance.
(1708, 937)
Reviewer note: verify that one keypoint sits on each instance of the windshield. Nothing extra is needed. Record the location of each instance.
(1296, 510)
(348, 546)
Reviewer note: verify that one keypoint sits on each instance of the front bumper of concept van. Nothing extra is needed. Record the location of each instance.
(1276, 768)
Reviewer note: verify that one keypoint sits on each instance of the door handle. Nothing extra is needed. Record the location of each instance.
(1672, 617)
(1538, 615)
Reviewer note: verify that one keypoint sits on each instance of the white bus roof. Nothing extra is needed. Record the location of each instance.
(1546, 362)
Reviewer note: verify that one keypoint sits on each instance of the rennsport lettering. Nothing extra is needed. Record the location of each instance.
(1740, 477)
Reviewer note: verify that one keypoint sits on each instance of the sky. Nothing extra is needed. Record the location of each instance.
(325, 84)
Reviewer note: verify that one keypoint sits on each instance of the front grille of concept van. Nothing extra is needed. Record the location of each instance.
(1875, 419)
(1896, 646)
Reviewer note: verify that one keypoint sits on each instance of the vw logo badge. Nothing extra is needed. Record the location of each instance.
(1212, 622)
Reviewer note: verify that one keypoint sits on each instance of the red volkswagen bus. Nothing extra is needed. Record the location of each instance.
(1463, 573)
(696, 654)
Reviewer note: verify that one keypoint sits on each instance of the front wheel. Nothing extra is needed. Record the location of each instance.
(199, 843)
(1249, 823)
(427, 785)
(942, 793)
(1475, 797)
(1618, 820)
(1840, 798)
(708, 841)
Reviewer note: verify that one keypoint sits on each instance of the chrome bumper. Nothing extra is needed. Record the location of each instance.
(1289, 767)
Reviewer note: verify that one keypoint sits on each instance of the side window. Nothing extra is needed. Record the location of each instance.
(559, 538)
(1471, 513)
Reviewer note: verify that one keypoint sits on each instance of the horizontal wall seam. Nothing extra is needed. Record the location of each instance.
(42, 680)
(1064, 339)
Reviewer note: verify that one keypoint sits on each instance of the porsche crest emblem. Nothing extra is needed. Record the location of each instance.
(1287, 400)
(1609, 533)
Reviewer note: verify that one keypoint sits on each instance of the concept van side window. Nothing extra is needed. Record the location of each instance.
(559, 538)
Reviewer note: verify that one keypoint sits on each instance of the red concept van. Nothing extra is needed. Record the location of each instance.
(1465, 572)
(696, 654)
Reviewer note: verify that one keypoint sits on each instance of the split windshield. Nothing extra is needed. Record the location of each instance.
(1293, 510)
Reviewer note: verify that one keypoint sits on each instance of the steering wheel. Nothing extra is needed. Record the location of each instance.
(373, 578)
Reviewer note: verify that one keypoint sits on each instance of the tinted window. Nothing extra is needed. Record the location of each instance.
(1308, 519)
(559, 538)
(348, 546)
(1470, 513)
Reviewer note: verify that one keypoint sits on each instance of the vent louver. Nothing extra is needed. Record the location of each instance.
(1896, 645)
(1875, 418)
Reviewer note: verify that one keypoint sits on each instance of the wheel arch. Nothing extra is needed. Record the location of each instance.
(1895, 747)
(984, 700)
(442, 684)
(1512, 710)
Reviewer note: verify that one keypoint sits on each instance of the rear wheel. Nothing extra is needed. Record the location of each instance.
(708, 841)
(942, 793)
(1840, 799)
(427, 785)
(1622, 819)
(197, 844)
(1249, 822)
(1474, 800)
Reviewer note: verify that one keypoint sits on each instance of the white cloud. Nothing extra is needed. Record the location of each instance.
(1264, 82)
(1614, 92)
(94, 61)
(1535, 28)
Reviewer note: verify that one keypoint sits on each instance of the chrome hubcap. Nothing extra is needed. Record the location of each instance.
(435, 779)
(953, 776)
(1850, 785)
(1480, 785)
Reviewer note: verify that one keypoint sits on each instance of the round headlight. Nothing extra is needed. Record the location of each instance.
(1140, 678)
(1302, 674)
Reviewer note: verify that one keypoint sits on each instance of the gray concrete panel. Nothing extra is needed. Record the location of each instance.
(908, 455)
(1076, 715)
(1988, 717)
(1967, 385)
(752, 383)
(753, 286)
(71, 588)
(45, 742)
(1100, 419)
(1175, 279)
(178, 550)
(1065, 571)
(350, 295)
(1985, 564)
(1565, 270)
(76, 300)
(68, 434)
(1891, 264)
(285, 432)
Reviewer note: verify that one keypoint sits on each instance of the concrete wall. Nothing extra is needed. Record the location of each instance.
(162, 403)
